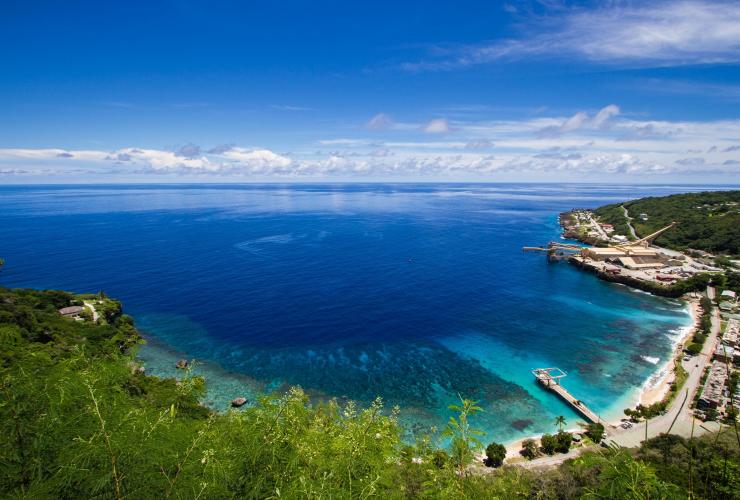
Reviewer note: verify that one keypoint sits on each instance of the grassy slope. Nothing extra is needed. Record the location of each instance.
(707, 221)
(76, 421)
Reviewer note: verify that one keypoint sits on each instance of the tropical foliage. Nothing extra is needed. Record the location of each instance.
(78, 419)
(708, 221)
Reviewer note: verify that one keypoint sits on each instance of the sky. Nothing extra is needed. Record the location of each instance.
(483, 91)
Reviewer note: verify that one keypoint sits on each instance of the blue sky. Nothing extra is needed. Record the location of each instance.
(221, 91)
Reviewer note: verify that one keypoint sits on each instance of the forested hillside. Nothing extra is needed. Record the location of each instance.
(708, 221)
(78, 419)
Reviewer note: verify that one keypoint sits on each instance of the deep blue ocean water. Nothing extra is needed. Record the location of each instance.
(416, 293)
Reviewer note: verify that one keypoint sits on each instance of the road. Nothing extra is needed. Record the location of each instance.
(598, 228)
(629, 222)
(678, 419)
(94, 311)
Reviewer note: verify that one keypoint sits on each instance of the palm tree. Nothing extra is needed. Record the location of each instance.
(647, 413)
(560, 422)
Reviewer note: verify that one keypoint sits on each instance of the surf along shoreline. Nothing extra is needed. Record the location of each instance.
(656, 388)
(161, 358)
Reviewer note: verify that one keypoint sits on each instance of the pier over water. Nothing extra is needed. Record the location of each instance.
(550, 378)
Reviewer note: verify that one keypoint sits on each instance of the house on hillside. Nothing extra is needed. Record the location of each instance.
(74, 312)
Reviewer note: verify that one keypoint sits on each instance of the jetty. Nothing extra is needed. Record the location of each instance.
(550, 379)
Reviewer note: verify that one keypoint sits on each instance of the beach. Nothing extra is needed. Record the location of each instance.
(653, 390)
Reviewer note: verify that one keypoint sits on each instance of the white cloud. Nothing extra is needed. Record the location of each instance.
(437, 126)
(661, 33)
(343, 142)
(600, 142)
(604, 115)
(379, 122)
(582, 120)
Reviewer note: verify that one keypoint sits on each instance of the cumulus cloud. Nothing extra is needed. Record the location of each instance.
(189, 151)
(637, 132)
(691, 161)
(479, 144)
(437, 126)
(604, 115)
(662, 33)
(343, 142)
(220, 149)
(379, 122)
(582, 120)
(599, 142)
(256, 160)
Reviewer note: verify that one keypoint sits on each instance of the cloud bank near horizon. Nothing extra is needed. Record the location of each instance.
(602, 142)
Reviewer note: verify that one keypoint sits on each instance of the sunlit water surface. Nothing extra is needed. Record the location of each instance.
(415, 293)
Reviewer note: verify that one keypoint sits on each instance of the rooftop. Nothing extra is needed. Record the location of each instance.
(68, 311)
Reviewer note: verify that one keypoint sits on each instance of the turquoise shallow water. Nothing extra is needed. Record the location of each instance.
(416, 293)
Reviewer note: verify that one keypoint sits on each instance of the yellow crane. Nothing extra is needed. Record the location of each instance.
(647, 240)
(555, 249)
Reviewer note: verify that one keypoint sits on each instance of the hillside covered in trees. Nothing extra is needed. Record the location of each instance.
(78, 419)
(708, 221)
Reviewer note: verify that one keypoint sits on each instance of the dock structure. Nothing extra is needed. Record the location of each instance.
(550, 378)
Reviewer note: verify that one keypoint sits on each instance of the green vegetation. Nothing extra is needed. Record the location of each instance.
(709, 466)
(495, 454)
(708, 221)
(728, 281)
(595, 432)
(680, 377)
(694, 283)
(549, 444)
(560, 422)
(464, 438)
(529, 449)
(705, 328)
(646, 412)
(614, 215)
(79, 420)
(565, 439)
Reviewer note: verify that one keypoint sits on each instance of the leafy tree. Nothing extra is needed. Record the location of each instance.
(564, 440)
(529, 449)
(495, 454)
(595, 431)
(549, 443)
(440, 458)
(464, 438)
(645, 412)
(623, 477)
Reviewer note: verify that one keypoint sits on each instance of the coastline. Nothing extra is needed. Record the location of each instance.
(223, 385)
(653, 390)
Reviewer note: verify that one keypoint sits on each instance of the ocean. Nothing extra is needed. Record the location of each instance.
(415, 293)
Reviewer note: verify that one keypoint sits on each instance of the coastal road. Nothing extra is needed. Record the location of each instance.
(629, 222)
(678, 419)
(598, 228)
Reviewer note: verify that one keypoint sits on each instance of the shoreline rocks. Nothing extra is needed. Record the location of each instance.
(238, 402)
